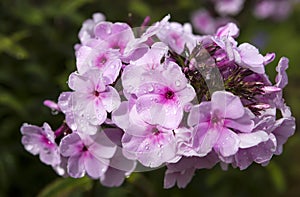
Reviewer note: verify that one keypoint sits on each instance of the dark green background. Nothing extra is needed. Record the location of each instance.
(36, 57)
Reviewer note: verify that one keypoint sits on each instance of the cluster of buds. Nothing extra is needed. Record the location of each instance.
(159, 95)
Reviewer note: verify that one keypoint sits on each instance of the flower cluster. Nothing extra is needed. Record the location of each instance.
(206, 22)
(160, 95)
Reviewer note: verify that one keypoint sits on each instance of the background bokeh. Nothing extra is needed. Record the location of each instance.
(36, 57)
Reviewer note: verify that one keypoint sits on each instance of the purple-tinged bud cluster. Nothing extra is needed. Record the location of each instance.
(160, 95)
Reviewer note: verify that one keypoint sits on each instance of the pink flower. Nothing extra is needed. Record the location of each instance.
(106, 61)
(150, 144)
(86, 108)
(41, 140)
(87, 30)
(87, 154)
(177, 36)
(245, 55)
(216, 122)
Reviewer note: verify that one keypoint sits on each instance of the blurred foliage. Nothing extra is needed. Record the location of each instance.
(36, 57)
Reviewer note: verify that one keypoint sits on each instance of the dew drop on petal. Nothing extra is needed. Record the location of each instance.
(130, 88)
(108, 31)
(150, 88)
(160, 154)
(177, 83)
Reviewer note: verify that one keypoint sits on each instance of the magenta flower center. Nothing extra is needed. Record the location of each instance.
(155, 131)
(169, 94)
(101, 61)
(96, 93)
(84, 149)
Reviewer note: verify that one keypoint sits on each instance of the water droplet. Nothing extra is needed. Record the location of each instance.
(177, 83)
(130, 88)
(150, 88)
(147, 147)
(108, 31)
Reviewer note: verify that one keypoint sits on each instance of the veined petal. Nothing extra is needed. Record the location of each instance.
(152, 111)
(95, 167)
(227, 105)
(110, 99)
(71, 145)
(248, 140)
(205, 138)
(228, 143)
(76, 166)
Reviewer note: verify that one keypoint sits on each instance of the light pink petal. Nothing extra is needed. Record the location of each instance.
(170, 179)
(118, 161)
(153, 112)
(132, 78)
(228, 143)
(152, 59)
(95, 167)
(71, 145)
(229, 30)
(284, 128)
(112, 178)
(94, 113)
(151, 151)
(110, 99)
(82, 56)
(80, 83)
(50, 156)
(120, 116)
(174, 77)
(227, 105)
(269, 57)
(282, 78)
(248, 140)
(205, 138)
(244, 124)
(137, 126)
(102, 146)
(76, 166)
(65, 101)
(199, 113)
(185, 177)
(186, 95)
(251, 58)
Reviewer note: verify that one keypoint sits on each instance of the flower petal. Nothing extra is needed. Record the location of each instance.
(228, 143)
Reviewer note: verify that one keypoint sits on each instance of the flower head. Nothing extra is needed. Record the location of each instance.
(41, 140)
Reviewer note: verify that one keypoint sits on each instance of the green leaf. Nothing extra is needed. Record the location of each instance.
(9, 45)
(12, 102)
(66, 187)
(277, 177)
(140, 8)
